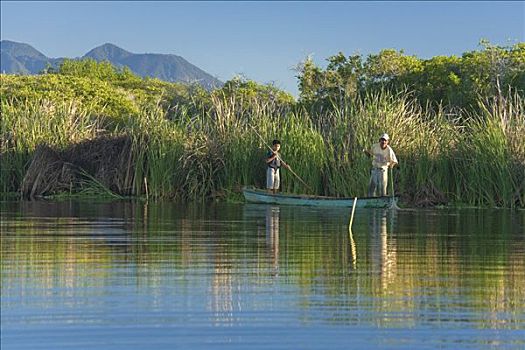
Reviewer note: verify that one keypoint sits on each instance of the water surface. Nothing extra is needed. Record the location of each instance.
(130, 275)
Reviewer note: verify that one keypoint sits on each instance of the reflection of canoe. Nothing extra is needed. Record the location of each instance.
(253, 195)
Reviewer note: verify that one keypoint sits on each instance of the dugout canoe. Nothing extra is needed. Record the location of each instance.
(254, 195)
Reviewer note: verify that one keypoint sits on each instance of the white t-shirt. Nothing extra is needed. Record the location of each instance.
(382, 158)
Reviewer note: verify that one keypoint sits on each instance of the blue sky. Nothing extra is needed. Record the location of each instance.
(262, 40)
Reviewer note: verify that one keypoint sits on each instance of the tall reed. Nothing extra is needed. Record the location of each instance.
(350, 126)
(491, 167)
(211, 147)
(27, 124)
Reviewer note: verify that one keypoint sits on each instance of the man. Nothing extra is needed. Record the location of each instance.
(383, 157)
(274, 162)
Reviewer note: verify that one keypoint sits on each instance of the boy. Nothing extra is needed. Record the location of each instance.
(274, 162)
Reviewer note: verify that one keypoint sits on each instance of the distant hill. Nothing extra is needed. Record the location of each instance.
(162, 66)
(20, 58)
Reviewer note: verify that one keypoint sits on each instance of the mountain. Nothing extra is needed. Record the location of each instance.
(21, 50)
(20, 58)
(108, 52)
(162, 66)
(9, 64)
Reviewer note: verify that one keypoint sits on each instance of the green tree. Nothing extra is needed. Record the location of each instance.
(439, 81)
(391, 68)
(450, 81)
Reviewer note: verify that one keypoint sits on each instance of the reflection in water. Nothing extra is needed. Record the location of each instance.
(353, 250)
(81, 275)
(383, 247)
(272, 235)
(222, 295)
(226, 287)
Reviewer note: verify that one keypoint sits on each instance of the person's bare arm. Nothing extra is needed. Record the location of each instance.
(271, 158)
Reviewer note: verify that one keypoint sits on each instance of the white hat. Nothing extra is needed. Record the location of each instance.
(385, 136)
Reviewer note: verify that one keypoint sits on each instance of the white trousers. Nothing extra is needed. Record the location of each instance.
(273, 179)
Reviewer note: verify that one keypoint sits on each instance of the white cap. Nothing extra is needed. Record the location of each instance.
(385, 136)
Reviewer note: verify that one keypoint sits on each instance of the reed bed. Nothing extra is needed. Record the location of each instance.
(490, 165)
(200, 150)
(28, 124)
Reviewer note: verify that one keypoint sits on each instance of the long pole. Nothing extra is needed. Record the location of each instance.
(393, 205)
(353, 249)
(293, 172)
(352, 216)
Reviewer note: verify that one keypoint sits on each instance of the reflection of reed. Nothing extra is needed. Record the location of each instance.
(222, 303)
(272, 235)
(439, 263)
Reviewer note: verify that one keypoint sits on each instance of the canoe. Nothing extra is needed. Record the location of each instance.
(254, 195)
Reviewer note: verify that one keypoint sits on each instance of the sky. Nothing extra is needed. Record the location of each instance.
(263, 41)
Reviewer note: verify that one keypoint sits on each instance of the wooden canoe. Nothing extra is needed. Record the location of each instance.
(253, 195)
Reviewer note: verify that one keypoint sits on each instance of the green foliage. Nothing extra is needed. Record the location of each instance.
(440, 81)
(89, 68)
(391, 68)
(455, 82)
(245, 89)
(96, 96)
(189, 143)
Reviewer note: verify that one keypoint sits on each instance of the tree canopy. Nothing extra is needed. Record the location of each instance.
(452, 81)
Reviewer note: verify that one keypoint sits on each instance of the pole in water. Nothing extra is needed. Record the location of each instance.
(351, 237)
(393, 205)
(352, 216)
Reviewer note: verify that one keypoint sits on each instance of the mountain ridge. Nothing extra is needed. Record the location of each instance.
(22, 58)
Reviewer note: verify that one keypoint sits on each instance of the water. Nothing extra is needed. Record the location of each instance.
(123, 275)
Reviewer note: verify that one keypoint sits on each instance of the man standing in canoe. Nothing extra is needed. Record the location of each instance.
(274, 162)
(383, 157)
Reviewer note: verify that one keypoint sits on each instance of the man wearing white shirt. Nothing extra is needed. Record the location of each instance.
(383, 157)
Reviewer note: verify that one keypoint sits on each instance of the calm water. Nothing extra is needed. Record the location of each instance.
(78, 275)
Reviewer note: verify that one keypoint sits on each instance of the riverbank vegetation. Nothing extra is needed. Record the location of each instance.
(456, 124)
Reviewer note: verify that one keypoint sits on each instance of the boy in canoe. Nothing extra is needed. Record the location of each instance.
(383, 157)
(274, 162)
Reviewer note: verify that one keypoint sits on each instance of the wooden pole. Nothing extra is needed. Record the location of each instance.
(352, 216)
(353, 249)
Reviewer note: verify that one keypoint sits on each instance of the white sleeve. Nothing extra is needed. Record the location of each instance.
(393, 157)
